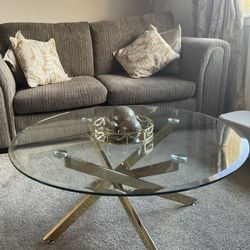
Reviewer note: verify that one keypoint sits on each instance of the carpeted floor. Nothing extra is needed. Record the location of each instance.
(219, 220)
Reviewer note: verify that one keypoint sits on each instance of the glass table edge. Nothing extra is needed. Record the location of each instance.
(180, 188)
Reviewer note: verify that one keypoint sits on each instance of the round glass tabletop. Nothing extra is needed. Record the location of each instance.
(183, 151)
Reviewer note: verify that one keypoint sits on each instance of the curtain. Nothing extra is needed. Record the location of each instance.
(224, 19)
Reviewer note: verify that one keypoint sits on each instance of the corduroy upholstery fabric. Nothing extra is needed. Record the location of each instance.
(23, 121)
(7, 93)
(125, 90)
(109, 36)
(200, 85)
(4, 128)
(205, 62)
(73, 42)
(81, 91)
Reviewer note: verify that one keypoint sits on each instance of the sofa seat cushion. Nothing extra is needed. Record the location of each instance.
(125, 90)
(81, 91)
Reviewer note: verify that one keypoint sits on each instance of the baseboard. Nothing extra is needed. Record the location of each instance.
(3, 150)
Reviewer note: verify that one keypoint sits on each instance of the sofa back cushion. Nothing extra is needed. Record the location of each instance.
(109, 36)
(73, 42)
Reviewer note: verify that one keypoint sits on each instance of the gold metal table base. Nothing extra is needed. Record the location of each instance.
(105, 183)
(70, 217)
(89, 200)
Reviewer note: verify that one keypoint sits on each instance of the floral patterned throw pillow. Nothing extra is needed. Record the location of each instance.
(39, 60)
(148, 54)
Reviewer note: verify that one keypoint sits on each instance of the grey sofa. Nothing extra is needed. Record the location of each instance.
(85, 50)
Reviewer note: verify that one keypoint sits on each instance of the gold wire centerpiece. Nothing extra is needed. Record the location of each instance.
(124, 127)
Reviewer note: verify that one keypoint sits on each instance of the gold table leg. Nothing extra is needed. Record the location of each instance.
(141, 230)
(70, 217)
(89, 200)
(181, 198)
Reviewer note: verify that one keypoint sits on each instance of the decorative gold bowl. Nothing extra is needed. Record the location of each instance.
(144, 135)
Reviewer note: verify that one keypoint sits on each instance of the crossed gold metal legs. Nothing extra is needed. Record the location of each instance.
(140, 228)
(70, 218)
(89, 200)
(181, 198)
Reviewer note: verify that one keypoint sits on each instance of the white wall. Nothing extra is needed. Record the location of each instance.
(90, 10)
(182, 10)
(68, 10)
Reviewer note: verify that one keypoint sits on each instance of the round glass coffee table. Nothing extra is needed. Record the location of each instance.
(185, 150)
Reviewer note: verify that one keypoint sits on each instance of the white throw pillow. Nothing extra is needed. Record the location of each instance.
(146, 55)
(39, 60)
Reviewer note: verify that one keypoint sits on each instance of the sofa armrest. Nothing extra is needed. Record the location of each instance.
(7, 92)
(205, 62)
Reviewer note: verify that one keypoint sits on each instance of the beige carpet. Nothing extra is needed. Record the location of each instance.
(219, 220)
